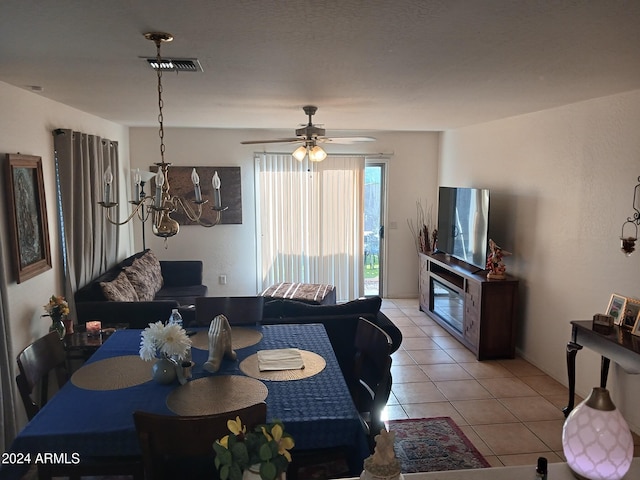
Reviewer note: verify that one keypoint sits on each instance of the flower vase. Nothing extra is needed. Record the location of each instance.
(57, 326)
(164, 371)
(68, 326)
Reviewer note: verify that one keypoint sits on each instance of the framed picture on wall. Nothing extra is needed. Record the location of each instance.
(631, 312)
(27, 216)
(616, 307)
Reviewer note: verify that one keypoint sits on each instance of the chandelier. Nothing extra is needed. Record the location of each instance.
(162, 204)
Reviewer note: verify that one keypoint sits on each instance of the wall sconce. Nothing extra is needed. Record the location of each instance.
(628, 240)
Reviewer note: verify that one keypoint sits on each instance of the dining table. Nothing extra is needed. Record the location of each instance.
(92, 414)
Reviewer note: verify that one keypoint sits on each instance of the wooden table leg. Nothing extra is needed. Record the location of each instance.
(604, 372)
(572, 350)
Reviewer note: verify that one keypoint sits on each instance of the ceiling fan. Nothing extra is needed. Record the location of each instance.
(310, 136)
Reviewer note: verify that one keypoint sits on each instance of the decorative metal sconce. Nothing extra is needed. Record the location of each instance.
(628, 242)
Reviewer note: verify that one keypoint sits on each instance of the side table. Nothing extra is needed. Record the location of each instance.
(619, 345)
(80, 346)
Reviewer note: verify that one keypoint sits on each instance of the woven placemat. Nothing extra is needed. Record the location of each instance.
(113, 373)
(240, 338)
(219, 394)
(313, 364)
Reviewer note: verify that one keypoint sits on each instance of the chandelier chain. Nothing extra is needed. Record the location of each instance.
(160, 102)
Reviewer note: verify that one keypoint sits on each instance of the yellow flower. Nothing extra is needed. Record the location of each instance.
(236, 427)
(224, 441)
(284, 443)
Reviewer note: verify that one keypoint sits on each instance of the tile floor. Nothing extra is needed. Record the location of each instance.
(509, 409)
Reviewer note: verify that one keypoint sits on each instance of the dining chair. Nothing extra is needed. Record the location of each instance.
(370, 377)
(182, 446)
(35, 363)
(238, 310)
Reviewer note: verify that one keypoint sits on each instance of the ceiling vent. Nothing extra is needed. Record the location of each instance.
(175, 64)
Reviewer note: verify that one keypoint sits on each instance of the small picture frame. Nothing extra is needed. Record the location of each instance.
(27, 216)
(616, 307)
(631, 313)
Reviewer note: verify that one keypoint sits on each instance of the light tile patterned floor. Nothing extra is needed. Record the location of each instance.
(509, 409)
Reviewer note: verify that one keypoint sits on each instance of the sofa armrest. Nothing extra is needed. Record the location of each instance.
(136, 314)
(179, 273)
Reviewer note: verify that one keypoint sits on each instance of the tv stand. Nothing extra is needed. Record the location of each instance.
(480, 313)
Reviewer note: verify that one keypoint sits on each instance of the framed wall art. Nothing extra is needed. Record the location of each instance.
(27, 216)
(230, 192)
(616, 307)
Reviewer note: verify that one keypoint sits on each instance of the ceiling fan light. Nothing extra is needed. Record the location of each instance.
(317, 154)
(300, 153)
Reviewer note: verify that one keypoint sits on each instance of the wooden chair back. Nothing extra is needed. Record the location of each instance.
(238, 310)
(166, 440)
(35, 362)
(370, 383)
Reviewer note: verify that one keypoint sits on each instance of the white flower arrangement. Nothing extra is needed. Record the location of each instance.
(160, 340)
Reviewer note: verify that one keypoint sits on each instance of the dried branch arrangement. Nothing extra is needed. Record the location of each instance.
(425, 235)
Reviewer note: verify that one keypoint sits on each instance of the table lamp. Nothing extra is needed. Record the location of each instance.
(596, 439)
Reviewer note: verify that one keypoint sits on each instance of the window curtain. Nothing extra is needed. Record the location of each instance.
(310, 221)
(8, 422)
(89, 242)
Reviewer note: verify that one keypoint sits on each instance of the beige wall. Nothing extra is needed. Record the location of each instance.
(25, 127)
(231, 249)
(562, 181)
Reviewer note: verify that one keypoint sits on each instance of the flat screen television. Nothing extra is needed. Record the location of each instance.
(463, 224)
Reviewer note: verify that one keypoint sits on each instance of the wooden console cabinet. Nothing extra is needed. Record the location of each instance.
(480, 313)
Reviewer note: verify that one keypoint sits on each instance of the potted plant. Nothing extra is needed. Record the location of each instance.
(262, 453)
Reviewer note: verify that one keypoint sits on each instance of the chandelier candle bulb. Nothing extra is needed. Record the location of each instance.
(137, 179)
(196, 185)
(215, 182)
(108, 178)
(159, 184)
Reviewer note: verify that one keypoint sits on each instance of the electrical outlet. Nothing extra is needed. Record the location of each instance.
(222, 279)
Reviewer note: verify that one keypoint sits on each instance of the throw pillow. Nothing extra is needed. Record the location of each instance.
(155, 272)
(119, 289)
(144, 274)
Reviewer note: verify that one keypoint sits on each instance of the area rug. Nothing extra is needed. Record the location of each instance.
(433, 444)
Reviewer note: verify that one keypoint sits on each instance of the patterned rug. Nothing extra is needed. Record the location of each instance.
(434, 444)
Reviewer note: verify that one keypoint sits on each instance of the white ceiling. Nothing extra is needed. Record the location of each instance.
(367, 65)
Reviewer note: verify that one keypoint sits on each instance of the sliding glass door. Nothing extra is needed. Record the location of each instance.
(374, 192)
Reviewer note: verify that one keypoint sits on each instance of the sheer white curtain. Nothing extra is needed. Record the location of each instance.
(310, 221)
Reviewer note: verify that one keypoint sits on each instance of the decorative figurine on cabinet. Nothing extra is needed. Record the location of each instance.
(497, 269)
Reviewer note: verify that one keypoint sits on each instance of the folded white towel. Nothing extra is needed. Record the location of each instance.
(280, 359)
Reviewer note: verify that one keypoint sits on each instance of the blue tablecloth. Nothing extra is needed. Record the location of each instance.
(317, 411)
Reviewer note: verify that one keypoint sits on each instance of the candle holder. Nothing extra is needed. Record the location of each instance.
(628, 242)
(94, 328)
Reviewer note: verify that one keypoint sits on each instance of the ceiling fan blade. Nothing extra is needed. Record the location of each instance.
(345, 140)
(277, 140)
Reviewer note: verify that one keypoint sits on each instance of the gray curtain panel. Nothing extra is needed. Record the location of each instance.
(8, 422)
(89, 242)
